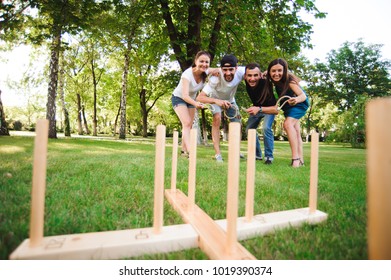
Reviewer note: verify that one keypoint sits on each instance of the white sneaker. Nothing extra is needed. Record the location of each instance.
(219, 158)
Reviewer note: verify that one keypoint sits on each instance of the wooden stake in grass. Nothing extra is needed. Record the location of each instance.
(159, 179)
(314, 172)
(250, 180)
(192, 168)
(174, 160)
(233, 184)
(378, 137)
(39, 183)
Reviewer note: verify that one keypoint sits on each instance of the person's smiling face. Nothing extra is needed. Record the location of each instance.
(229, 73)
(276, 72)
(252, 76)
(203, 63)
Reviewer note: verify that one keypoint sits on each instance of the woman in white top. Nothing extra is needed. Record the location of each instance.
(184, 95)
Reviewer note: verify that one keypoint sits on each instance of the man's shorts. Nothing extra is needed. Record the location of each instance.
(232, 112)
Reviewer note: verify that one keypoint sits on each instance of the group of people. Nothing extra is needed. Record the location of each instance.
(195, 92)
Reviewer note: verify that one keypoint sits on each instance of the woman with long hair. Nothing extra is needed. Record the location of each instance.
(184, 95)
(287, 84)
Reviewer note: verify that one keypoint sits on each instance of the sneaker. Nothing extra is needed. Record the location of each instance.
(242, 156)
(219, 158)
(258, 158)
(268, 161)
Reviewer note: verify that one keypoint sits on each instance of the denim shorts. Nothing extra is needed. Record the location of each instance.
(298, 111)
(177, 101)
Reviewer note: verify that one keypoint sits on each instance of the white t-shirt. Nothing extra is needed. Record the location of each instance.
(218, 87)
(194, 87)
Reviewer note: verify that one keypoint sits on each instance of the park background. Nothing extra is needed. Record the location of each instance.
(109, 68)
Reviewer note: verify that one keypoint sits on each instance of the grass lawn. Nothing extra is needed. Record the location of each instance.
(103, 184)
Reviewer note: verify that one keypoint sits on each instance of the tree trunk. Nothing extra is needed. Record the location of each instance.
(116, 120)
(87, 130)
(122, 129)
(214, 38)
(67, 127)
(194, 28)
(53, 78)
(173, 35)
(94, 80)
(79, 112)
(204, 130)
(196, 124)
(144, 112)
(3, 124)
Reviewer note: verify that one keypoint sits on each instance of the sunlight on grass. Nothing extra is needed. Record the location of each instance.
(8, 149)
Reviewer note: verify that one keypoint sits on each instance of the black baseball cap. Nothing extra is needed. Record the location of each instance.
(229, 60)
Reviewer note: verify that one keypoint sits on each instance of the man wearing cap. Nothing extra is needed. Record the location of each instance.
(220, 93)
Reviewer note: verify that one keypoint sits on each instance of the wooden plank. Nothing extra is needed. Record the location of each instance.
(263, 224)
(212, 238)
(110, 244)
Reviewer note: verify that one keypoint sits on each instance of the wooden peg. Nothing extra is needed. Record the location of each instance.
(250, 179)
(233, 184)
(192, 168)
(39, 183)
(174, 160)
(314, 172)
(159, 179)
(378, 139)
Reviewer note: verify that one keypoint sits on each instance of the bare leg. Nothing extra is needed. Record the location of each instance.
(289, 126)
(186, 116)
(216, 132)
(299, 141)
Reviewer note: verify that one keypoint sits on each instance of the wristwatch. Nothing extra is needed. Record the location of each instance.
(260, 109)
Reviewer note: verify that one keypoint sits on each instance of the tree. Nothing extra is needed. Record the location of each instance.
(55, 18)
(3, 123)
(342, 85)
(350, 72)
(13, 18)
(239, 26)
(61, 84)
(74, 66)
(124, 27)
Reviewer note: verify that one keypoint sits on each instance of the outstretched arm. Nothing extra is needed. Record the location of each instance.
(266, 110)
(204, 98)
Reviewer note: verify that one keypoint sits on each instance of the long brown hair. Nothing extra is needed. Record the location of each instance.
(203, 75)
(286, 79)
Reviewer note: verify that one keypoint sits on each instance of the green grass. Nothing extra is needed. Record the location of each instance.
(101, 185)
